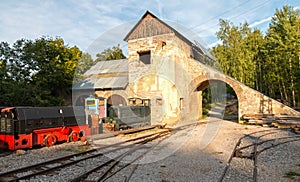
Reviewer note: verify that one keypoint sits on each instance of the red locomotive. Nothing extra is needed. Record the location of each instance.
(26, 127)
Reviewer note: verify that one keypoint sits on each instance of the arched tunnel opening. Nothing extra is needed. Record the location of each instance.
(115, 100)
(218, 100)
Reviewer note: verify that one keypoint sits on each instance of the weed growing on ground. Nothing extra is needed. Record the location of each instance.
(291, 175)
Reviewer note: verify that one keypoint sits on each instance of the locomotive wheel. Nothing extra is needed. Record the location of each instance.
(50, 140)
(74, 136)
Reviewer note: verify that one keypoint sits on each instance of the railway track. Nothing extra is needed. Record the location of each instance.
(103, 172)
(5, 153)
(250, 146)
(58, 166)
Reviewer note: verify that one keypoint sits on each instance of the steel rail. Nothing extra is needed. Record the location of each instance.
(234, 152)
(255, 156)
(116, 160)
(10, 175)
(132, 161)
(260, 143)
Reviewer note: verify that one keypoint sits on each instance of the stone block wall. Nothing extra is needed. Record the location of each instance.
(250, 101)
(174, 82)
(165, 80)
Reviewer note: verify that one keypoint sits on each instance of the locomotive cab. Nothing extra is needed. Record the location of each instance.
(11, 136)
(6, 130)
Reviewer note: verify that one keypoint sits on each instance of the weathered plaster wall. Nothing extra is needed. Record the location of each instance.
(166, 78)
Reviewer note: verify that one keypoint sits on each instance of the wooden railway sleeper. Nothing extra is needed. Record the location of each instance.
(43, 169)
(116, 160)
(134, 160)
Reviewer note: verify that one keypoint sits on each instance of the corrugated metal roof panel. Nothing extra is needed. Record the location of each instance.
(102, 83)
(114, 66)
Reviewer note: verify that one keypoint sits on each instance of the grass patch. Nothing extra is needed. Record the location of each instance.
(140, 133)
(83, 148)
(204, 116)
(205, 112)
(218, 153)
(291, 175)
(78, 149)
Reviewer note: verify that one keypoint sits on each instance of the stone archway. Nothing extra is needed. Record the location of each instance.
(201, 82)
(116, 100)
(219, 99)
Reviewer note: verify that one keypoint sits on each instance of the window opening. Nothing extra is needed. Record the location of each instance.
(145, 57)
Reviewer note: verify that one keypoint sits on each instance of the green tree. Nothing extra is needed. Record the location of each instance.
(85, 63)
(283, 53)
(252, 47)
(268, 63)
(15, 74)
(5, 74)
(113, 53)
(37, 73)
(56, 64)
(238, 51)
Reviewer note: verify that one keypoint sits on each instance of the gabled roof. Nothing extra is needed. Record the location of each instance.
(105, 75)
(167, 29)
(149, 15)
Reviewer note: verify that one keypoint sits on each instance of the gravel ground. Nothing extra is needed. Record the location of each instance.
(190, 160)
(197, 153)
(21, 158)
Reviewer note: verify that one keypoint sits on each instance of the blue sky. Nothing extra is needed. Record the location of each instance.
(82, 22)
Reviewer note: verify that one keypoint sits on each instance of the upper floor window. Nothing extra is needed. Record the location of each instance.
(145, 57)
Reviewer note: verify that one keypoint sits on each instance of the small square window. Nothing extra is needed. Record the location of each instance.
(145, 57)
(159, 101)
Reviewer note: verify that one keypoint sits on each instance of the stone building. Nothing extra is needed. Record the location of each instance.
(168, 72)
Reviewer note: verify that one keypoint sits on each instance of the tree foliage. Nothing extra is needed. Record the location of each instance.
(37, 72)
(84, 64)
(269, 63)
(237, 54)
(113, 53)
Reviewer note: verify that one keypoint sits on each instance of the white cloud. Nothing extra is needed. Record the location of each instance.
(254, 24)
(81, 22)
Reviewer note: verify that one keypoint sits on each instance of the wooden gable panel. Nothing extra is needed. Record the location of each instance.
(148, 26)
